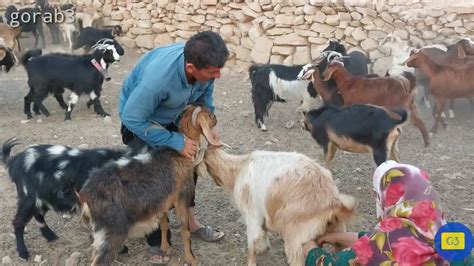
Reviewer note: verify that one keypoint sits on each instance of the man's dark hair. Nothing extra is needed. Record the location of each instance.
(206, 49)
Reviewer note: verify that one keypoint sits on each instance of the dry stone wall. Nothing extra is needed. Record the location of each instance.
(285, 31)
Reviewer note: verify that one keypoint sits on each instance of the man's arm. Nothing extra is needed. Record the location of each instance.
(136, 113)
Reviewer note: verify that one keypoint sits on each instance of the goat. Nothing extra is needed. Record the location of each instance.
(460, 52)
(10, 37)
(390, 92)
(128, 198)
(355, 62)
(358, 128)
(283, 192)
(46, 177)
(7, 57)
(52, 73)
(68, 28)
(273, 82)
(50, 12)
(34, 24)
(445, 81)
(89, 36)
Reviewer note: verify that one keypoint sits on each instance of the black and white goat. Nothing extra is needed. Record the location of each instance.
(47, 177)
(278, 83)
(82, 74)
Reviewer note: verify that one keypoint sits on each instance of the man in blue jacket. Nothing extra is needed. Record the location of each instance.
(153, 96)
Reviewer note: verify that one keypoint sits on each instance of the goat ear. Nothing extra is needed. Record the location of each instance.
(328, 73)
(206, 131)
(461, 51)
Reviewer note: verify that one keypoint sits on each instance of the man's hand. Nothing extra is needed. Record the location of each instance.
(190, 148)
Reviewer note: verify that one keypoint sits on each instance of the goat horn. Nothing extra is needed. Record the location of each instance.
(195, 114)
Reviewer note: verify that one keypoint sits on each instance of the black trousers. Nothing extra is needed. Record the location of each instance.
(129, 139)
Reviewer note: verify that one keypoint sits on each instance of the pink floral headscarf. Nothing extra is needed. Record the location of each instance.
(409, 214)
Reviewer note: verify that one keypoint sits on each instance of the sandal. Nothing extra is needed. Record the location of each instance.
(158, 256)
(206, 233)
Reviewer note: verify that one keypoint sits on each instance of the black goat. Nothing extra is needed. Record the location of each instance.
(50, 14)
(278, 83)
(47, 177)
(82, 74)
(356, 128)
(89, 36)
(29, 19)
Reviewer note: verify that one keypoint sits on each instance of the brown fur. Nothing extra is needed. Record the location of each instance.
(10, 36)
(390, 92)
(445, 82)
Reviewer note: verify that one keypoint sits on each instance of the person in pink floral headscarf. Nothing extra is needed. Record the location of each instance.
(409, 215)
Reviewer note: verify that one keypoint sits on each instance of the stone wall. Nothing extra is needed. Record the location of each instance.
(285, 31)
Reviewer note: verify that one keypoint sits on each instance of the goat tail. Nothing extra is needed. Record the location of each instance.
(411, 78)
(7, 148)
(398, 115)
(30, 54)
(346, 208)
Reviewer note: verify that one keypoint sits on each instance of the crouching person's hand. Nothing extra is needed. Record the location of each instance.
(190, 148)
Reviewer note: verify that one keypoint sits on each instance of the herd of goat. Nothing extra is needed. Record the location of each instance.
(123, 193)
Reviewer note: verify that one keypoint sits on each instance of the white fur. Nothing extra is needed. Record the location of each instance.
(122, 162)
(74, 152)
(99, 239)
(56, 150)
(40, 176)
(25, 191)
(290, 90)
(58, 174)
(143, 157)
(73, 98)
(92, 95)
(30, 158)
(63, 164)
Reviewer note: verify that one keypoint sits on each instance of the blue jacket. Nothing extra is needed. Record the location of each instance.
(156, 93)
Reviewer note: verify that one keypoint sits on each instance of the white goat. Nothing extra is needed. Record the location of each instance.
(283, 192)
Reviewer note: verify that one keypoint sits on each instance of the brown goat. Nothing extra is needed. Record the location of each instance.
(128, 197)
(390, 92)
(10, 36)
(446, 82)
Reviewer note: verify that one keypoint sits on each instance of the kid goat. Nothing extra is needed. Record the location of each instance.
(283, 192)
(82, 74)
(128, 198)
(46, 178)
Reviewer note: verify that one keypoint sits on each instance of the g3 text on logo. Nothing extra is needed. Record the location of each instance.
(454, 242)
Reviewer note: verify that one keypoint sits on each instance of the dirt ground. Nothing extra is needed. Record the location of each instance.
(449, 161)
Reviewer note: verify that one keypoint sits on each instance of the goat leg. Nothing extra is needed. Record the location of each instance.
(39, 103)
(22, 217)
(73, 98)
(379, 154)
(329, 153)
(183, 213)
(59, 98)
(164, 226)
(417, 122)
(439, 106)
(98, 108)
(44, 228)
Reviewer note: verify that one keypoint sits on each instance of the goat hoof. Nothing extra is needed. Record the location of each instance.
(23, 255)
